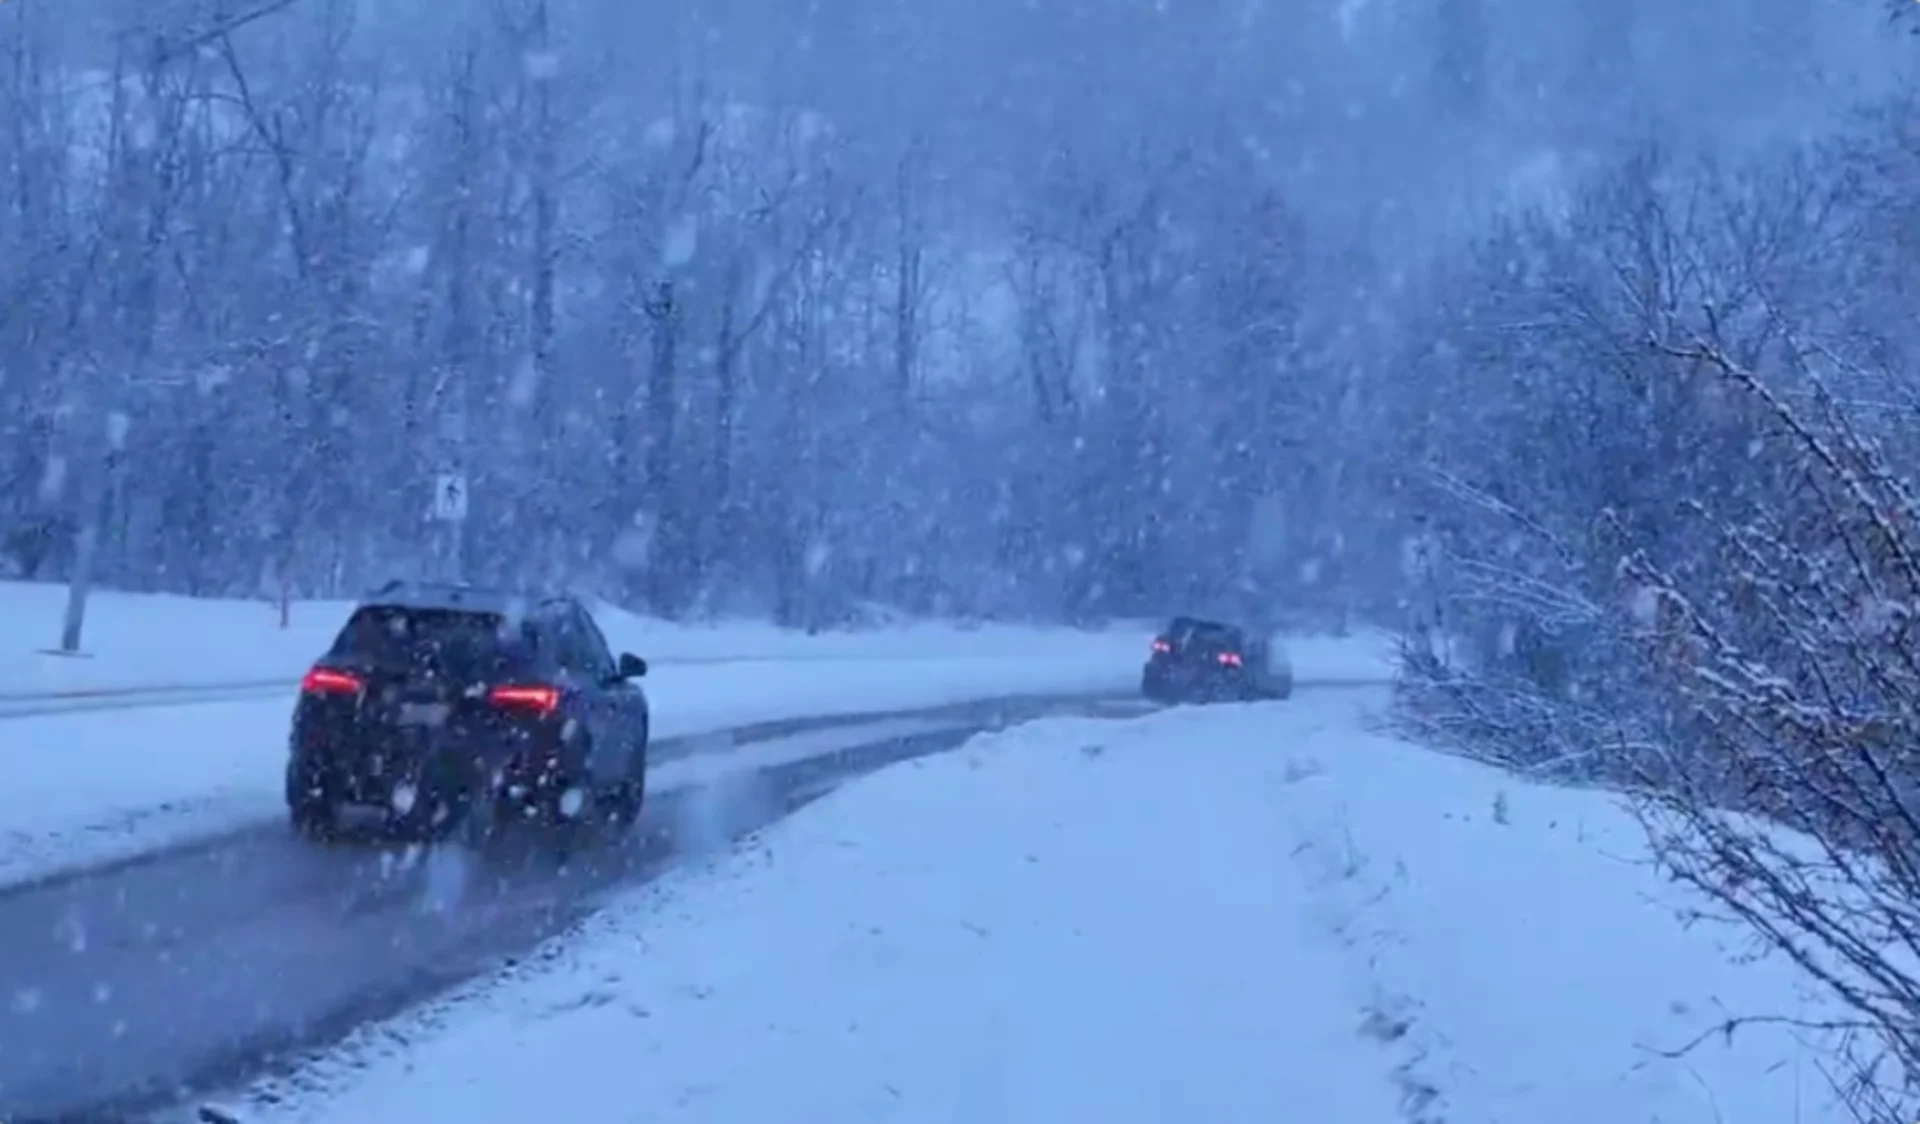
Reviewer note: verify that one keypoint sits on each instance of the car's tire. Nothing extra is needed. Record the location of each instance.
(620, 806)
(316, 819)
(311, 809)
(572, 832)
(617, 806)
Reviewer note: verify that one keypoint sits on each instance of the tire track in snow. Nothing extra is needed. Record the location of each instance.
(1354, 910)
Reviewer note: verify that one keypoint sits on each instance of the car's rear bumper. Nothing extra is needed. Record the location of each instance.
(1193, 680)
(357, 766)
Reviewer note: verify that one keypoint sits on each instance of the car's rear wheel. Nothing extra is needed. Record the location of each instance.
(621, 805)
(619, 809)
(311, 809)
(315, 819)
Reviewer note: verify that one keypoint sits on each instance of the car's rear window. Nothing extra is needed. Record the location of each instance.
(457, 640)
(1204, 634)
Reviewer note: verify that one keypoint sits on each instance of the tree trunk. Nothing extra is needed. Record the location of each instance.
(665, 583)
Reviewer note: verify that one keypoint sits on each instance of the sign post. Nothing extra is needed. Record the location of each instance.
(95, 513)
(450, 508)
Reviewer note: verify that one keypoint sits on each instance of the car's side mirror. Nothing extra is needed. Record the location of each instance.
(632, 666)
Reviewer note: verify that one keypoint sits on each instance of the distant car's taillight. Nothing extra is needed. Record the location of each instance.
(1162, 647)
(1230, 659)
(532, 698)
(326, 681)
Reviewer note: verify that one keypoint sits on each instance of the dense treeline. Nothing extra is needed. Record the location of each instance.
(973, 308)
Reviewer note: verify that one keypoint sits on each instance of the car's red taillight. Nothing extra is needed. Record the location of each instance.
(1230, 659)
(326, 681)
(534, 698)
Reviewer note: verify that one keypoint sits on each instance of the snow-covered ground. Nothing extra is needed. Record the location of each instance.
(144, 640)
(1236, 913)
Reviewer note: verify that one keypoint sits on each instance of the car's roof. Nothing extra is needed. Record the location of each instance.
(460, 597)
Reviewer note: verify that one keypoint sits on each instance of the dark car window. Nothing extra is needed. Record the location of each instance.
(1221, 638)
(450, 639)
(1185, 632)
(597, 649)
(576, 651)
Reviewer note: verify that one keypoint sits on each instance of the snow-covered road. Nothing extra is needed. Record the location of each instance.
(1236, 913)
(87, 788)
(92, 786)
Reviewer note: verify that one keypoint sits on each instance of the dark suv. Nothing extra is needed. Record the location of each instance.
(1196, 660)
(449, 707)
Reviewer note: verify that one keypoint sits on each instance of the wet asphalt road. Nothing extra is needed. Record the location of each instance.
(127, 988)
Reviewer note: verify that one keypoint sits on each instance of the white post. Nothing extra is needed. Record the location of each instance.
(79, 586)
(450, 510)
(87, 545)
(457, 548)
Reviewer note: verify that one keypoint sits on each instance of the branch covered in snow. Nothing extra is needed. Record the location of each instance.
(1710, 603)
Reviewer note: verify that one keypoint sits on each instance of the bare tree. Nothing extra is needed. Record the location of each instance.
(42, 288)
(774, 233)
(675, 222)
(314, 133)
(909, 266)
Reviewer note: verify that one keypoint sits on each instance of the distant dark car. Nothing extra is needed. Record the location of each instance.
(1196, 660)
(451, 708)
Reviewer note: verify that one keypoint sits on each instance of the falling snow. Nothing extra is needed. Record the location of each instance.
(1499, 333)
(633, 547)
(1643, 605)
(681, 242)
(543, 66)
(819, 555)
(524, 390)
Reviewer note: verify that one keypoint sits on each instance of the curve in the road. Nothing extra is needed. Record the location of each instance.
(86, 700)
(124, 989)
(665, 750)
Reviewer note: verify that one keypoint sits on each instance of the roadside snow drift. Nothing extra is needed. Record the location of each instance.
(1228, 914)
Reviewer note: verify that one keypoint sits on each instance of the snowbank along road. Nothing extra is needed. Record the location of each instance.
(1264, 912)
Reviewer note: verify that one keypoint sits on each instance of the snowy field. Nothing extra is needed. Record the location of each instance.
(1235, 913)
(91, 786)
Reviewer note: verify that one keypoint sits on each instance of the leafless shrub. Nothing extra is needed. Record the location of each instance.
(1503, 668)
(1690, 571)
(1800, 689)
